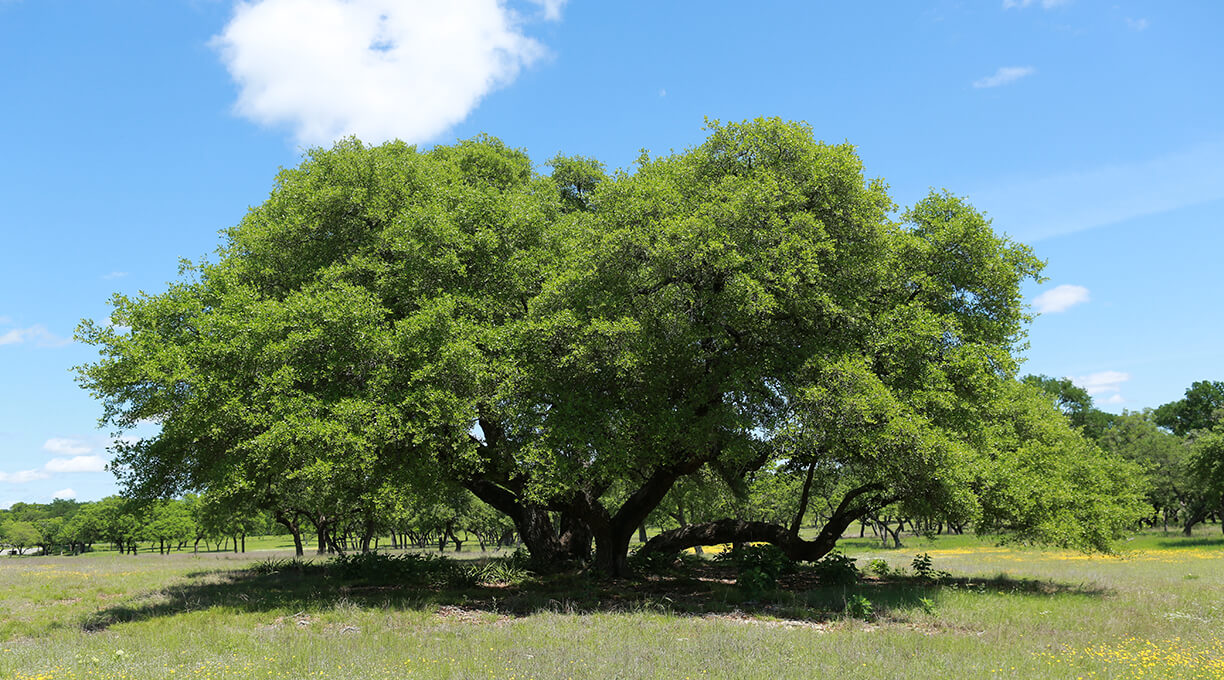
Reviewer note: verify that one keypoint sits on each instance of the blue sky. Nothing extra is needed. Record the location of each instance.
(132, 131)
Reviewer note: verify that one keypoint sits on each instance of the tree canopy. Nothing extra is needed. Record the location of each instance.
(402, 321)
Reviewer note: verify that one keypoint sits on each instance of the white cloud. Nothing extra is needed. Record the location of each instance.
(36, 334)
(1005, 75)
(67, 447)
(1104, 382)
(1114, 399)
(1060, 299)
(1066, 202)
(23, 476)
(76, 464)
(1045, 4)
(377, 69)
(67, 494)
(114, 275)
(1137, 24)
(551, 8)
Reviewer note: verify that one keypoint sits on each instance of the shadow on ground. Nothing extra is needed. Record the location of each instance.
(703, 591)
(1197, 542)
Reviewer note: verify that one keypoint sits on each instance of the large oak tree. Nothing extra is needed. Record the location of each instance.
(568, 347)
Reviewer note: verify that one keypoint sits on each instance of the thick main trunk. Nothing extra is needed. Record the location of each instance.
(534, 525)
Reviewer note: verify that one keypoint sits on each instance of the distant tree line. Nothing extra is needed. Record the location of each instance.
(1179, 447)
(165, 525)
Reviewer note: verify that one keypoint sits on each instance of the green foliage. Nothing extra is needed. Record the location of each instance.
(393, 325)
(859, 607)
(879, 567)
(653, 562)
(836, 569)
(1201, 408)
(765, 557)
(924, 568)
(21, 534)
(410, 569)
(754, 582)
(502, 571)
(757, 566)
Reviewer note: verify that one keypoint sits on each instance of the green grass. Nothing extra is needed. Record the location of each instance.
(1155, 612)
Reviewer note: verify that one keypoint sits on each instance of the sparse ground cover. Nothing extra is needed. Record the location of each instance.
(1154, 612)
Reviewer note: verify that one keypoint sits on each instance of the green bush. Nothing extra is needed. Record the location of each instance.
(756, 582)
(859, 607)
(879, 567)
(651, 562)
(836, 569)
(924, 568)
(768, 558)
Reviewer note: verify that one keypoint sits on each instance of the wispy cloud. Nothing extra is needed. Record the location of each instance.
(65, 446)
(67, 494)
(1060, 299)
(76, 464)
(38, 335)
(551, 8)
(23, 476)
(1139, 24)
(378, 69)
(1106, 384)
(1065, 202)
(114, 275)
(1005, 75)
(1045, 4)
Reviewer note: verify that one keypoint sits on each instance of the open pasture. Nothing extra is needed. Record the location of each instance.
(1153, 612)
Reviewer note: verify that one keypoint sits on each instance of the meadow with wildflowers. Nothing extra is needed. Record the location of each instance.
(1152, 611)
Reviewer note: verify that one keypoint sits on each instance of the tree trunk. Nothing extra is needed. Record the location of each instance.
(740, 531)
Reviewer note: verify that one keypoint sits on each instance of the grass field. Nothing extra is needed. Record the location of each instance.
(1155, 612)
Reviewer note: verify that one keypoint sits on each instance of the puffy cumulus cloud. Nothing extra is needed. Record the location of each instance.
(23, 476)
(1005, 75)
(76, 464)
(66, 494)
(67, 447)
(377, 69)
(1103, 383)
(1060, 299)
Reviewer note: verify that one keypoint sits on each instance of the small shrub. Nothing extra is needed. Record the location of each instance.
(756, 582)
(928, 605)
(859, 607)
(652, 561)
(879, 567)
(924, 568)
(766, 557)
(507, 570)
(836, 569)
(275, 566)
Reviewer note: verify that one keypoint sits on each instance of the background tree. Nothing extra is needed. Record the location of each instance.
(1201, 409)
